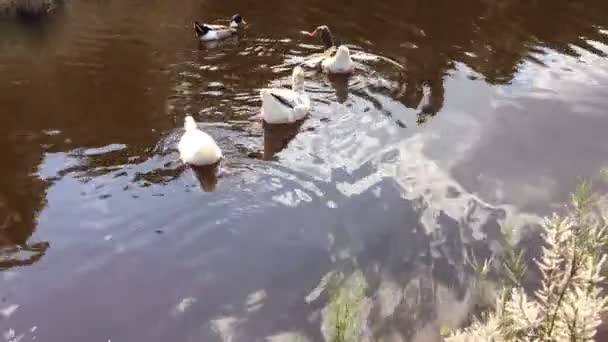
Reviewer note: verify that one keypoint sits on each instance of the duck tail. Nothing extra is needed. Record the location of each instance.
(198, 28)
(189, 123)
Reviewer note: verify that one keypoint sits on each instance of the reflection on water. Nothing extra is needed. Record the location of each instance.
(207, 176)
(228, 42)
(461, 117)
(276, 137)
(340, 84)
(26, 255)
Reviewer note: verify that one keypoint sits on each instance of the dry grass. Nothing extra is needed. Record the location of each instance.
(32, 8)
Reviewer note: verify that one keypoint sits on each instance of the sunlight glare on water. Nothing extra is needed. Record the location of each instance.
(459, 118)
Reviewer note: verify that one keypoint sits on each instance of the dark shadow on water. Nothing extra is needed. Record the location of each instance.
(340, 85)
(207, 176)
(32, 32)
(277, 137)
(21, 255)
(22, 198)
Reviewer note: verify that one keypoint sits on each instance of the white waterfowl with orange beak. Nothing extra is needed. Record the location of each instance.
(339, 62)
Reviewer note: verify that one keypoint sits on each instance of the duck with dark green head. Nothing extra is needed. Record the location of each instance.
(210, 32)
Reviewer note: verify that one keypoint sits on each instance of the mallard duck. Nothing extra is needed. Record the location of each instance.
(206, 33)
(197, 147)
(278, 136)
(236, 22)
(337, 60)
(210, 32)
(281, 106)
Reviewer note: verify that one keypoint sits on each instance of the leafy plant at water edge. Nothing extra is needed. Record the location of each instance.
(568, 305)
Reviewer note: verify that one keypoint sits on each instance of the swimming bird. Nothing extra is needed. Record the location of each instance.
(206, 33)
(425, 105)
(236, 22)
(340, 63)
(197, 147)
(281, 106)
(324, 34)
(338, 60)
(209, 32)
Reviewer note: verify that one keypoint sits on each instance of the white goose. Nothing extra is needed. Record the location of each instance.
(280, 106)
(338, 63)
(197, 147)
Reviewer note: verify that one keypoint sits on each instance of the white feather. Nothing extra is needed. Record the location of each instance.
(425, 103)
(217, 34)
(340, 63)
(210, 35)
(275, 111)
(197, 147)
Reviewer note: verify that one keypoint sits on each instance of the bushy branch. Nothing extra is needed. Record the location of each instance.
(568, 305)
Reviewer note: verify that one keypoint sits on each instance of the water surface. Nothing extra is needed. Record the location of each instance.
(461, 117)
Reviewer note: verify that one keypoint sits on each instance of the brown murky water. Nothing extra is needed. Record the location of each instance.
(104, 235)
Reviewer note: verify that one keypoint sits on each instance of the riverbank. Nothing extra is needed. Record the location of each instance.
(32, 8)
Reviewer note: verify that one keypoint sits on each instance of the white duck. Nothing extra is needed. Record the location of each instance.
(338, 63)
(280, 106)
(197, 147)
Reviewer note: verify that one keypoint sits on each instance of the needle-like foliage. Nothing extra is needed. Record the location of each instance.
(569, 303)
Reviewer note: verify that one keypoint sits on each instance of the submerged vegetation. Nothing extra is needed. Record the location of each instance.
(343, 311)
(29, 8)
(567, 306)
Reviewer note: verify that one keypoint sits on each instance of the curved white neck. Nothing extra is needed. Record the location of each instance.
(342, 57)
(297, 85)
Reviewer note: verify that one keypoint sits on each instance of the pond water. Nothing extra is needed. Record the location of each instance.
(461, 117)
